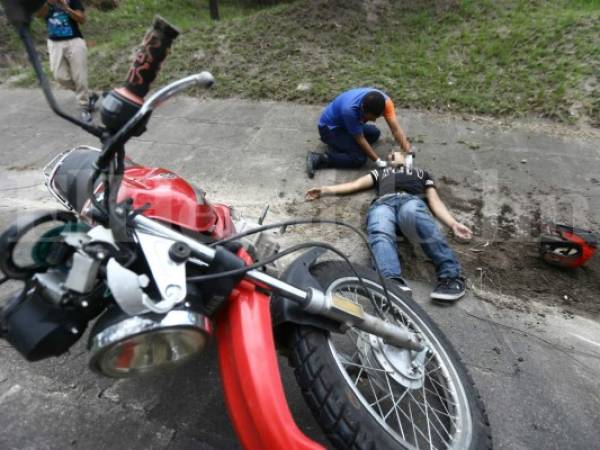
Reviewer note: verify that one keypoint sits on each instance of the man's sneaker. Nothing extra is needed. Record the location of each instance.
(449, 289)
(400, 283)
(86, 116)
(92, 102)
(313, 162)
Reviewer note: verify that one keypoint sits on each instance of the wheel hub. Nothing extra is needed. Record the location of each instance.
(398, 363)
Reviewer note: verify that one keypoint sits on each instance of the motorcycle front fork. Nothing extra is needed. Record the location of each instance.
(250, 374)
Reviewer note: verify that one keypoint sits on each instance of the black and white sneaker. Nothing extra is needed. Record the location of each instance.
(401, 284)
(449, 289)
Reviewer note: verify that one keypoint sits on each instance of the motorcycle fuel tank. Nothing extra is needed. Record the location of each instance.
(173, 200)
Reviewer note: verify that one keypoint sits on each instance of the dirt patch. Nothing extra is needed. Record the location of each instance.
(507, 261)
(516, 269)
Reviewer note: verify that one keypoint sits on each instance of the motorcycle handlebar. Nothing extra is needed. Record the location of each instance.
(203, 79)
(149, 56)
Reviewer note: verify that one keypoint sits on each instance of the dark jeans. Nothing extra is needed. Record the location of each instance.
(344, 152)
(411, 215)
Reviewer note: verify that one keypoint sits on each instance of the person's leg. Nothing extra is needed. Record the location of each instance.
(419, 226)
(344, 152)
(59, 65)
(371, 133)
(77, 55)
(381, 230)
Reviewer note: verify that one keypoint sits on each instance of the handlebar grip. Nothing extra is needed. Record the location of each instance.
(149, 56)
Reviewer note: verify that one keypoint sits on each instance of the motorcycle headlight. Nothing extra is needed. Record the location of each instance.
(125, 346)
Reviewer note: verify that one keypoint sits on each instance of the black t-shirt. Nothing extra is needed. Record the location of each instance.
(60, 25)
(391, 180)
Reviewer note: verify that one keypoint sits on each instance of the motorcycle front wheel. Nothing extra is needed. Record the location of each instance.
(366, 394)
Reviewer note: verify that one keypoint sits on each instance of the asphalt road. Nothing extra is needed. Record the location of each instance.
(538, 370)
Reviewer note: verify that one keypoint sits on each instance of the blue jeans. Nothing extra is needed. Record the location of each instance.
(344, 152)
(412, 217)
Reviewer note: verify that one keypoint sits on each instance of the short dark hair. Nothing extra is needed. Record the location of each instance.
(373, 103)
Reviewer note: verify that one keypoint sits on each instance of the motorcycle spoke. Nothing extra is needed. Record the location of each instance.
(427, 421)
(377, 399)
(446, 390)
(447, 413)
(442, 400)
(429, 372)
(430, 424)
(412, 420)
(394, 406)
(415, 428)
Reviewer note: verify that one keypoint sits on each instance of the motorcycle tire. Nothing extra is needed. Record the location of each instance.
(347, 393)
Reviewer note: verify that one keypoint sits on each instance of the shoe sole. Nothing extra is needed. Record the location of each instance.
(447, 297)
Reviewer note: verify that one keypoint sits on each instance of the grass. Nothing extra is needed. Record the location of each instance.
(502, 58)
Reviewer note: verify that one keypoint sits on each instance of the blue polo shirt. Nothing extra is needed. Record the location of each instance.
(344, 111)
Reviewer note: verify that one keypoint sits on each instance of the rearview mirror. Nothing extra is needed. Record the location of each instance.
(19, 12)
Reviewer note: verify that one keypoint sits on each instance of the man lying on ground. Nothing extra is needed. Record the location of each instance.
(406, 199)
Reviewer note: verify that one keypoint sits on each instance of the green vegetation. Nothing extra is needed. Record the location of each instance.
(503, 57)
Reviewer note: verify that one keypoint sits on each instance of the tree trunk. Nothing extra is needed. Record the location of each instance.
(214, 9)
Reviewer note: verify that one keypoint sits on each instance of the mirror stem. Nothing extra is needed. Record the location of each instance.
(43, 80)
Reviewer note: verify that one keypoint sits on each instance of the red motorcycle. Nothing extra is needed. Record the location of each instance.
(159, 269)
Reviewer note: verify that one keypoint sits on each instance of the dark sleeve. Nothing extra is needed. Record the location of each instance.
(376, 175)
(428, 180)
(77, 5)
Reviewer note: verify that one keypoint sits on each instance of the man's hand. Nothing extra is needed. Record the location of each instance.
(462, 231)
(379, 163)
(313, 194)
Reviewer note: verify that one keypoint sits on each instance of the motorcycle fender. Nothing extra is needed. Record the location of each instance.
(286, 312)
(250, 374)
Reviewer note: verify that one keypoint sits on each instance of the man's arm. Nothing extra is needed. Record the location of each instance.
(398, 133)
(351, 187)
(389, 113)
(439, 210)
(366, 147)
(43, 11)
(77, 15)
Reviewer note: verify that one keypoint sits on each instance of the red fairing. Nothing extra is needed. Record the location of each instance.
(172, 199)
(250, 373)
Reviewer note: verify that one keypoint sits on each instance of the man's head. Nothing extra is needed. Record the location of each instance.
(373, 105)
(395, 159)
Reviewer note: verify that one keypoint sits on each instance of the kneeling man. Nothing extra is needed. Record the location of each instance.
(407, 200)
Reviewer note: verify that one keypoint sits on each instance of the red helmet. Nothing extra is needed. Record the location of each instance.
(566, 246)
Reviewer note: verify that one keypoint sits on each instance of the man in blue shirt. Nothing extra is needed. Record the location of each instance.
(343, 127)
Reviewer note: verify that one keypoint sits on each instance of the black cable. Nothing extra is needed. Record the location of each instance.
(284, 253)
(312, 221)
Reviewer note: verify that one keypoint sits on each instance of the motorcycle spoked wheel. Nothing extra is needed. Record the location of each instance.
(362, 401)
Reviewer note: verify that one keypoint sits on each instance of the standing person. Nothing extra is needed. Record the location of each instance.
(68, 50)
(343, 127)
(400, 205)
